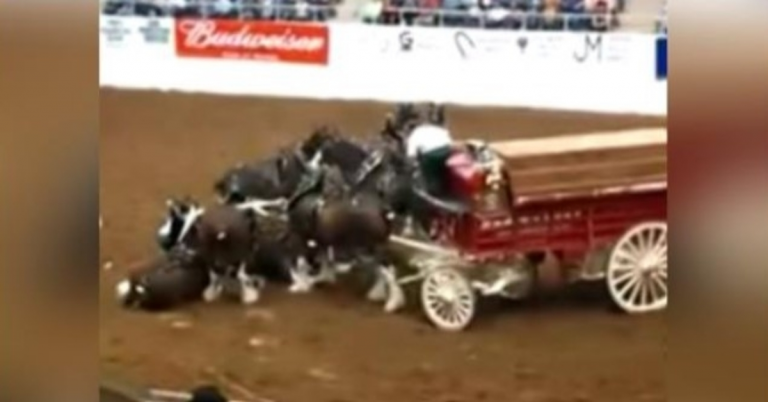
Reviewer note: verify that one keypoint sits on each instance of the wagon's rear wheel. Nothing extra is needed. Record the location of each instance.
(448, 299)
(637, 269)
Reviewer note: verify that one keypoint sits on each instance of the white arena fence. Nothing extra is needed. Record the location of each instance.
(613, 72)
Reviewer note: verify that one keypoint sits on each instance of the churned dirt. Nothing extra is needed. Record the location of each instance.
(332, 346)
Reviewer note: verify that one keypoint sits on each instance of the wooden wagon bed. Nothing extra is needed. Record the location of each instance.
(586, 164)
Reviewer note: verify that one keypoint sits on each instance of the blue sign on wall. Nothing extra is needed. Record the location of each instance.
(661, 58)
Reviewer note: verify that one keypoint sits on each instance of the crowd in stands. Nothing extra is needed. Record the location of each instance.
(575, 15)
(578, 15)
(291, 10)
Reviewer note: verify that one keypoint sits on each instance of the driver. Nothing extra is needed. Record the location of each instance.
(431, 145)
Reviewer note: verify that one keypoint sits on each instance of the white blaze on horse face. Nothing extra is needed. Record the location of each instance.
(314, 163)
(189, 220)
(165, 230)
(123, 290)
(221, 235)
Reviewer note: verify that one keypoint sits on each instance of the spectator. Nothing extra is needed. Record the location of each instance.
(661, 20)
(551, 17)
(497, 15)
(577, 15)
(370, 12)
(409, 11)
(223, 8)
(390, 14)
(602, 12)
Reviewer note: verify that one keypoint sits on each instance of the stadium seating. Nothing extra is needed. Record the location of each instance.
(576, 15)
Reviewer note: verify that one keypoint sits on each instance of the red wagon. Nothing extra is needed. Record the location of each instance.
(596, 203)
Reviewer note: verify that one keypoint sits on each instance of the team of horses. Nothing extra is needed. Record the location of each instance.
(300, 217)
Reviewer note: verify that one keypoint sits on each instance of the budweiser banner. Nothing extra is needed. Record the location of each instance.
(273, 41)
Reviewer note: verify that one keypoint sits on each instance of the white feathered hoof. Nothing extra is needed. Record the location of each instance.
(299, 287)
(344, 268)
(395, 294)
(249, 295)
(395, 302)
(212, 293)
(378, 292)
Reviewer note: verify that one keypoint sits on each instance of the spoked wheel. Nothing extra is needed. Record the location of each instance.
(448, 299)
(637, 269)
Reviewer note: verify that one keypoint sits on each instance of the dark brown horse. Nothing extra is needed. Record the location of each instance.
(164, 283)
(327, 218)
(274, 177)
(225, 238)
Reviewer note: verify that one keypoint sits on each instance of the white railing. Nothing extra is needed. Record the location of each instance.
(303, 11)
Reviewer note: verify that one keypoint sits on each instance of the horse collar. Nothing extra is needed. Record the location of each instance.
(194, 214)
(370, 164)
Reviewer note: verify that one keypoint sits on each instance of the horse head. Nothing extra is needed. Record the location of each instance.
(229, 188)
(317, 140)
(181, 217)
(177, 277)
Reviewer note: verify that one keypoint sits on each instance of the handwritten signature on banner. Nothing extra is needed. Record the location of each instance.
(456, 43)
(477, 45)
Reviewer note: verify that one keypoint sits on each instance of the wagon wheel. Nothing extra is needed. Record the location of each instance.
(448, 299)
(637, 269)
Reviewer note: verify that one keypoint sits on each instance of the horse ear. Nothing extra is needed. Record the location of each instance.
(314, 163)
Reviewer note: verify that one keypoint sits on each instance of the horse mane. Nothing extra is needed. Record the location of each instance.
(334, 184)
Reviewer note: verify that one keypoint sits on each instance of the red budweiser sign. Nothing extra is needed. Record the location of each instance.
(253, 40)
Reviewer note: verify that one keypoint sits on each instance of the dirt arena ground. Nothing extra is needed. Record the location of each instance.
(330, 346)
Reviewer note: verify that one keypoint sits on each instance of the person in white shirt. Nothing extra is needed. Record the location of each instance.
(431, 145)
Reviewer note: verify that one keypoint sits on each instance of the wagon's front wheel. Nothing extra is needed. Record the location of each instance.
(637, 269)
(448, 299)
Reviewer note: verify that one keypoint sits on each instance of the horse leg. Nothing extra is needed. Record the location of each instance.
(320, 262)
(378, 293)
(409, 229)
(395, 296)
(250, 285)
(339, 267)
(326, 267)
(214, 289)
(300, 277)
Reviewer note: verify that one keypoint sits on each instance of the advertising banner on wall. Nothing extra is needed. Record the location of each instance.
(117, 32)
(269, 41)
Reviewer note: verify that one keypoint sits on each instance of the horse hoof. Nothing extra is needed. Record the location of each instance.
(298, 289)
(249, 296)
(394, 305)
(343, 268)
(326, 278)
(211, 294)
(378, 293)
